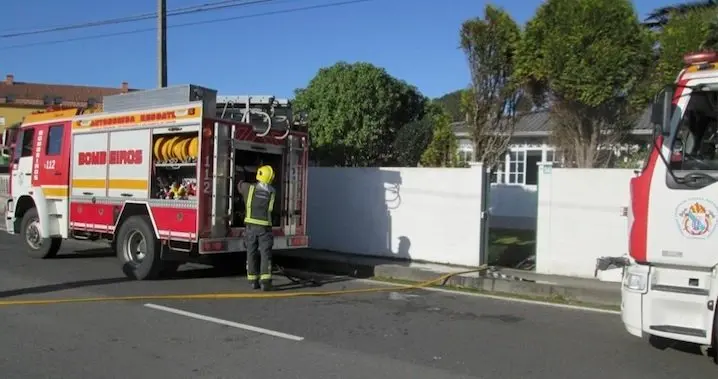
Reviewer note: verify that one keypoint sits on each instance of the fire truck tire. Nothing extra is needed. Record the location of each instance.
(36, 247)
(138, 249)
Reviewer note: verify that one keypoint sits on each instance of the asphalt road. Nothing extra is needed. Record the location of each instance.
(417, 335)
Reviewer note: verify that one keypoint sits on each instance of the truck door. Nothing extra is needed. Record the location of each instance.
(53, 178)
(22, 165)
(53, 160)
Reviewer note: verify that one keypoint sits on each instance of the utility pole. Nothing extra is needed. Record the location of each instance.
(162, 43)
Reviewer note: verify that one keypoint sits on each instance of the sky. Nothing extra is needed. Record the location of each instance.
(414, 40)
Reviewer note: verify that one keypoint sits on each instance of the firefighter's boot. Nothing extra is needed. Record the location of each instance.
(254, 284)
(266, 284)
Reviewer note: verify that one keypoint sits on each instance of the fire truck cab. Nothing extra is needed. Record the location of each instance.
(670, 275)
(155, 173)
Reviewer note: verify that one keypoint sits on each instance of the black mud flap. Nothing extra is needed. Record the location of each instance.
(607, 263)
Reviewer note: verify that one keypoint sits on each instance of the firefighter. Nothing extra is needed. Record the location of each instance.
(259, 202)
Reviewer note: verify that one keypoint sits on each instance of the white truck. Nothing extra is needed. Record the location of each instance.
(670, 275)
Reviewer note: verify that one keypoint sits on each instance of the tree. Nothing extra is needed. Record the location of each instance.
(711, 40)
(677, 30)
(660, 17)
(443, 149)
(490, 48)
(354, 112)
(587, 59)
(412, 140)
(681, 34)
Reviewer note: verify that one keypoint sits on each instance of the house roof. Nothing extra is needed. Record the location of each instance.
(39, 94)
(538, 124)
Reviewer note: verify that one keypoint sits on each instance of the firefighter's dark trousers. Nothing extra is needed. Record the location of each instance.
(259, 241)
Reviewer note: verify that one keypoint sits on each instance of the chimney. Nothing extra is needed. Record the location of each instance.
(9, 79)
(125, 87)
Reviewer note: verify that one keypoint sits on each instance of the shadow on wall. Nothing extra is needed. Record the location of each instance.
(350, 211)
(513, 206)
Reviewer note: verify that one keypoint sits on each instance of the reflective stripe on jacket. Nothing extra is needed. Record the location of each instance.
(260, 203)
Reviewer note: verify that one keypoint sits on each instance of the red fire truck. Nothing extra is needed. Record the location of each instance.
(155, 173)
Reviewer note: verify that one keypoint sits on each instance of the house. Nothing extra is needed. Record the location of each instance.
(18, 99)
(530, 145)
(513, 198)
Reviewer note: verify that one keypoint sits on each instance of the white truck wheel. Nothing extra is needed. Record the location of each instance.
(37, 247)
(138, 249)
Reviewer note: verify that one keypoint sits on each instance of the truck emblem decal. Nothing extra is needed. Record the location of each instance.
(696, 218)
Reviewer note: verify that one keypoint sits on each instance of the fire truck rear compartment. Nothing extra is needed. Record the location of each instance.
(175, 166)
(246, 163)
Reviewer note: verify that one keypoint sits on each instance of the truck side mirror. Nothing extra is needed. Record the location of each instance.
(662, 110)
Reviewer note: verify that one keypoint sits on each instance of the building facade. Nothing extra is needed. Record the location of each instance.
(530, 146)
(18, 99)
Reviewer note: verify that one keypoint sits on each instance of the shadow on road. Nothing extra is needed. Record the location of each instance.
(281, 283)
(284, 280)
(292, 275)
(61, 286)
(684, 347)
(88, 253)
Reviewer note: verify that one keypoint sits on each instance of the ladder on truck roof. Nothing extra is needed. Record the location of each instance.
(265, 113)
(262, 111)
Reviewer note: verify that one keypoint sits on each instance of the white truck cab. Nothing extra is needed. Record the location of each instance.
(670, 280)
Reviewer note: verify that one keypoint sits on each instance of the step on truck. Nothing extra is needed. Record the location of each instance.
(670, 274)
(155, 173)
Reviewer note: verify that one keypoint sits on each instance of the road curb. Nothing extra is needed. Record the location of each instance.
(368, 267)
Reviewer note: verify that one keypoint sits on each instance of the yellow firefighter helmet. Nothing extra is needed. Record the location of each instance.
(265, 174)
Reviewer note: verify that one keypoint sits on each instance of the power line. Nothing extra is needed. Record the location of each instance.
(140, 17)
(213, 21)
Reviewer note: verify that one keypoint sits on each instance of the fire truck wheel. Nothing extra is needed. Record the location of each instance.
(41, 248)
(138, 249)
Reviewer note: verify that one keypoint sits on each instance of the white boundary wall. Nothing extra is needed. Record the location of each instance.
(580, 218)
(427, 214)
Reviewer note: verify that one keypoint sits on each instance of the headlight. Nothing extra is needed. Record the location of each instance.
(636, 282)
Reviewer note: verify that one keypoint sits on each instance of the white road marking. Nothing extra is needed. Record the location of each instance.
(504, 298)
(220, 321)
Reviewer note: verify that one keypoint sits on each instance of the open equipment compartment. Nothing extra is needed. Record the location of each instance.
(246, 163)
(174, 167)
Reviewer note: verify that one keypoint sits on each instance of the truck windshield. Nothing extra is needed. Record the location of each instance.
(695, 145)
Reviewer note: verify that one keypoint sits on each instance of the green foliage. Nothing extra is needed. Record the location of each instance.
(442, 151)
(586, 51)
(711, 40)
(682, 33)
(355, 112)
(589, 58)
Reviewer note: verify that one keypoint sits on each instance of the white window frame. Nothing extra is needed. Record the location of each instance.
(516, 157)
(503, 174)
(520, 153)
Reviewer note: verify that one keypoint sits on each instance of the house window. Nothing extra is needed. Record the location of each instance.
(517, 167)
(465, 156)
